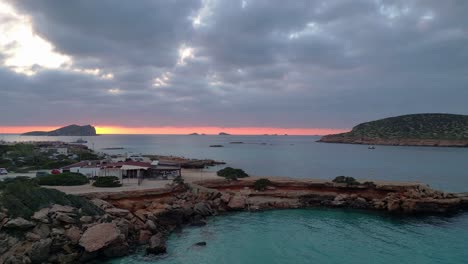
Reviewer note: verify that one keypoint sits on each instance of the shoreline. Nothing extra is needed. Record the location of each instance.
(136, 219)
(395, 142)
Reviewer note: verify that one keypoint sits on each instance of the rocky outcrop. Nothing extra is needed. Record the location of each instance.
(63, 234)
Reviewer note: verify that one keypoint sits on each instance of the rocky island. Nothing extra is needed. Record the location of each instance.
(436, 130)
(71, 130)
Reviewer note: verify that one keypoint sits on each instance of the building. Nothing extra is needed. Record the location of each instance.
(165, 170)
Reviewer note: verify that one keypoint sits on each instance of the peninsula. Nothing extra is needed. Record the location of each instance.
(71, 130)
(437, 130)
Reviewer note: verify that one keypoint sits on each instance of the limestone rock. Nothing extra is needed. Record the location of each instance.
(40, 250)
(203, 209)
(237, 202)
(61, 208)
(65, 218)
(225, 197)
(101, 204)
(151, 225)
(156, 245)
(74, 234)
(99, 236)
(144, 236)
(86, 219)
(42, 230)
(117, 212)
(19, 223)
(42, 215)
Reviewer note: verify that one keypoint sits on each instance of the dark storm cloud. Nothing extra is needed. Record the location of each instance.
(261, 63)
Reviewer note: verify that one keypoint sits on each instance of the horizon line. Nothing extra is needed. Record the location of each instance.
(172, 130)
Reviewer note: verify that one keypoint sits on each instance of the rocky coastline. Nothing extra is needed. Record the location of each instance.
(394, 142)
(127, 221)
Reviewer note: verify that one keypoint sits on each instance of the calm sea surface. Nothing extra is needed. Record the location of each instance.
(310, 236)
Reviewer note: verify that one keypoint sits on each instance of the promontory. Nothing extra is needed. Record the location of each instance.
(71, 130)
(437, 130)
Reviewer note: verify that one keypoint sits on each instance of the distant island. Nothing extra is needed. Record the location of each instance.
(223, 134)
(71, 130)
(438, 130)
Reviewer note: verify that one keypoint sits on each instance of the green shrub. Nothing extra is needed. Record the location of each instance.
(262, 184)
(232, 174)
(178, 180)
(63, 179)
(346, 179)
(22, 197)
(107, 181)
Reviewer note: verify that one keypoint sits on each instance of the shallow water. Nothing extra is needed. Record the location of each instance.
(317, 236)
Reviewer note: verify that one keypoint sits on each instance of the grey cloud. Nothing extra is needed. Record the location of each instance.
(273, 63)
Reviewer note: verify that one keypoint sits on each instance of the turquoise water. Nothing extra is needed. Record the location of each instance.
(310, 236)
(317, 236)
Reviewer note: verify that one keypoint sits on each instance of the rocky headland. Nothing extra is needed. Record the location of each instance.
(435, 130)
(119, 223)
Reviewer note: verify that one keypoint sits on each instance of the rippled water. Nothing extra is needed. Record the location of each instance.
(300, 156)
(317, 236)
(310, 236)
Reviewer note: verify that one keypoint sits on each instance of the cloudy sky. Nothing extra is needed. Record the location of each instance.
(242, 66)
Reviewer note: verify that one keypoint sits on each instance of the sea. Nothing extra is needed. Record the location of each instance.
(310, 235)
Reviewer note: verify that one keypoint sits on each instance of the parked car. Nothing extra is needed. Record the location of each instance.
(3, 171)
(42, 173)
(55, 171)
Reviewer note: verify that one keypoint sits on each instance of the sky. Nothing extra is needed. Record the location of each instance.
(245, 67)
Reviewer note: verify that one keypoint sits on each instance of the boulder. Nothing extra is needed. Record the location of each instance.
(61, 208)
(225, 197)
(237, 202)
(156, 245)
(151, 225)
(117, 212)
(41, 215)
(65, 218)
(30, 236)
(19, 223)
(144, 236)
(40, 250)
(74, 234)
(203, 209)
(6, 242)
(99, 236)
(42, 230)
(86, 219)
(199, 244)
(101, 203)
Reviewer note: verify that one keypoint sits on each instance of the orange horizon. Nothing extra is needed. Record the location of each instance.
(170, 130)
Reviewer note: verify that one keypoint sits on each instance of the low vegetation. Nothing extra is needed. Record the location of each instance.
(22, 197)
(350, 181)
(232, 174)
(178, 180)
(262, 184)
(107, 181)
(346, 179)
(63, 179)
(416, 126)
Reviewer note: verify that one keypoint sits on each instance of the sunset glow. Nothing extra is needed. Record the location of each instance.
(185, 130)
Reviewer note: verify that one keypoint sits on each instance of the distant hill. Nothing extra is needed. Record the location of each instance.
(72, 130)
(408, 130)
(223, 134)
